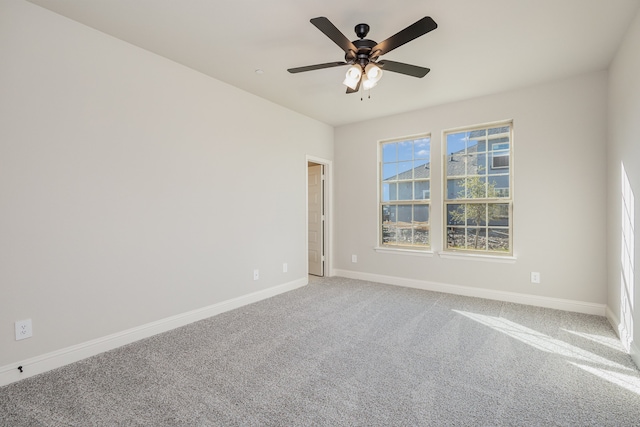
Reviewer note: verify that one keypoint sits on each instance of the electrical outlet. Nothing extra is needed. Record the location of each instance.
(535, 277)
(354, 258)
(24, 329)
(256, 274)
(285, 267)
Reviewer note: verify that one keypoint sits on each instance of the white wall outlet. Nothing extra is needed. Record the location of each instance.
(24, 329)
(256, 274)
(535, 277)
(285, 267)
(354, 258)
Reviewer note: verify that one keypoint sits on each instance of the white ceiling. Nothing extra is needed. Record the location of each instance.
(479, 47)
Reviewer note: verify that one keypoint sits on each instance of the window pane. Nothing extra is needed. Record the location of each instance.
(389, 171)
(421, 235)
(456, 165)
(477, 141)
(499, 130)
(474, 187)
(405, 214)
(476, 214)
(389, 213)
(421, 214)
(498, 239)
(476, 164)
(455, 238)
(405, 170)
(499, 214)
(499, 186)
(422, 190)
(389, 192)
(455, 189)
(420, 224)
(476, 238)
(421, 169)
(388, 234)
(456, 143)
(405, 150)
(405, 190)
(421, 149)
(475, 134)
(388, 224)
(472, 146)
(455, 214)
(389, 153)
(405, 229)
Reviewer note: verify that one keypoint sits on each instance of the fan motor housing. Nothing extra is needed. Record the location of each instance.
(364, 49)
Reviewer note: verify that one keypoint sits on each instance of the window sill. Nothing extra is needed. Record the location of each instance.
(508, 259)
(402, 251)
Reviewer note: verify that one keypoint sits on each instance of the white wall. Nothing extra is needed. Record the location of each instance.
(624, 151)
(132, 188)
(559, 192)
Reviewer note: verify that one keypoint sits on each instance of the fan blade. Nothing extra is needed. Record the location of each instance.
(413, 31)
(402, 68)
(316, 67)
(330, 30)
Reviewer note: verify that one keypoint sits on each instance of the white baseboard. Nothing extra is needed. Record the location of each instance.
(635, 354)
(613, 320)
(55, 359)
(535, 300)
(616, 324)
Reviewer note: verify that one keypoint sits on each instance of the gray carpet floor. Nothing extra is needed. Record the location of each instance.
(343, 352)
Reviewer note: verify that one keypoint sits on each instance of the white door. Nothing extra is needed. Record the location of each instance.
(316, 220)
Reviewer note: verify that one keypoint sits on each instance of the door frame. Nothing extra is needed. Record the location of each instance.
(328, 211)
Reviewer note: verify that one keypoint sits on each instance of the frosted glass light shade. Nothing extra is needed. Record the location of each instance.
(353, 76)
(373, 72)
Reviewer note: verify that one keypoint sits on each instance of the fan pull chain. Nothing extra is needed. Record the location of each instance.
(368, 94)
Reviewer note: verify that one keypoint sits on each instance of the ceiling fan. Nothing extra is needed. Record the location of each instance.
(363, 54)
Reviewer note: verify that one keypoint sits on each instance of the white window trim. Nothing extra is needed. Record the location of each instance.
(426, 251)
(402, 251)
(464, 253)
(490, 257)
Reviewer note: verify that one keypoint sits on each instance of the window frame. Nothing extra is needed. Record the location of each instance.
(398, 247)
(498, 199)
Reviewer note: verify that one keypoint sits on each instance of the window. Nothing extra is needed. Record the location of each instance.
(405, 190)
(478, 196)
(500, 158)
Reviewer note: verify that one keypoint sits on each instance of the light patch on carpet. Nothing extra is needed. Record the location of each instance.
(610, 342)
(630, 382)
(607, 369)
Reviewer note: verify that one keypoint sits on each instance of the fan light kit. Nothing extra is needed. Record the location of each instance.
(362, 55)
(353, 76)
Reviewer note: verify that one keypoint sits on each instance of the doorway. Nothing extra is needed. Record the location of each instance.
(317, 217)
